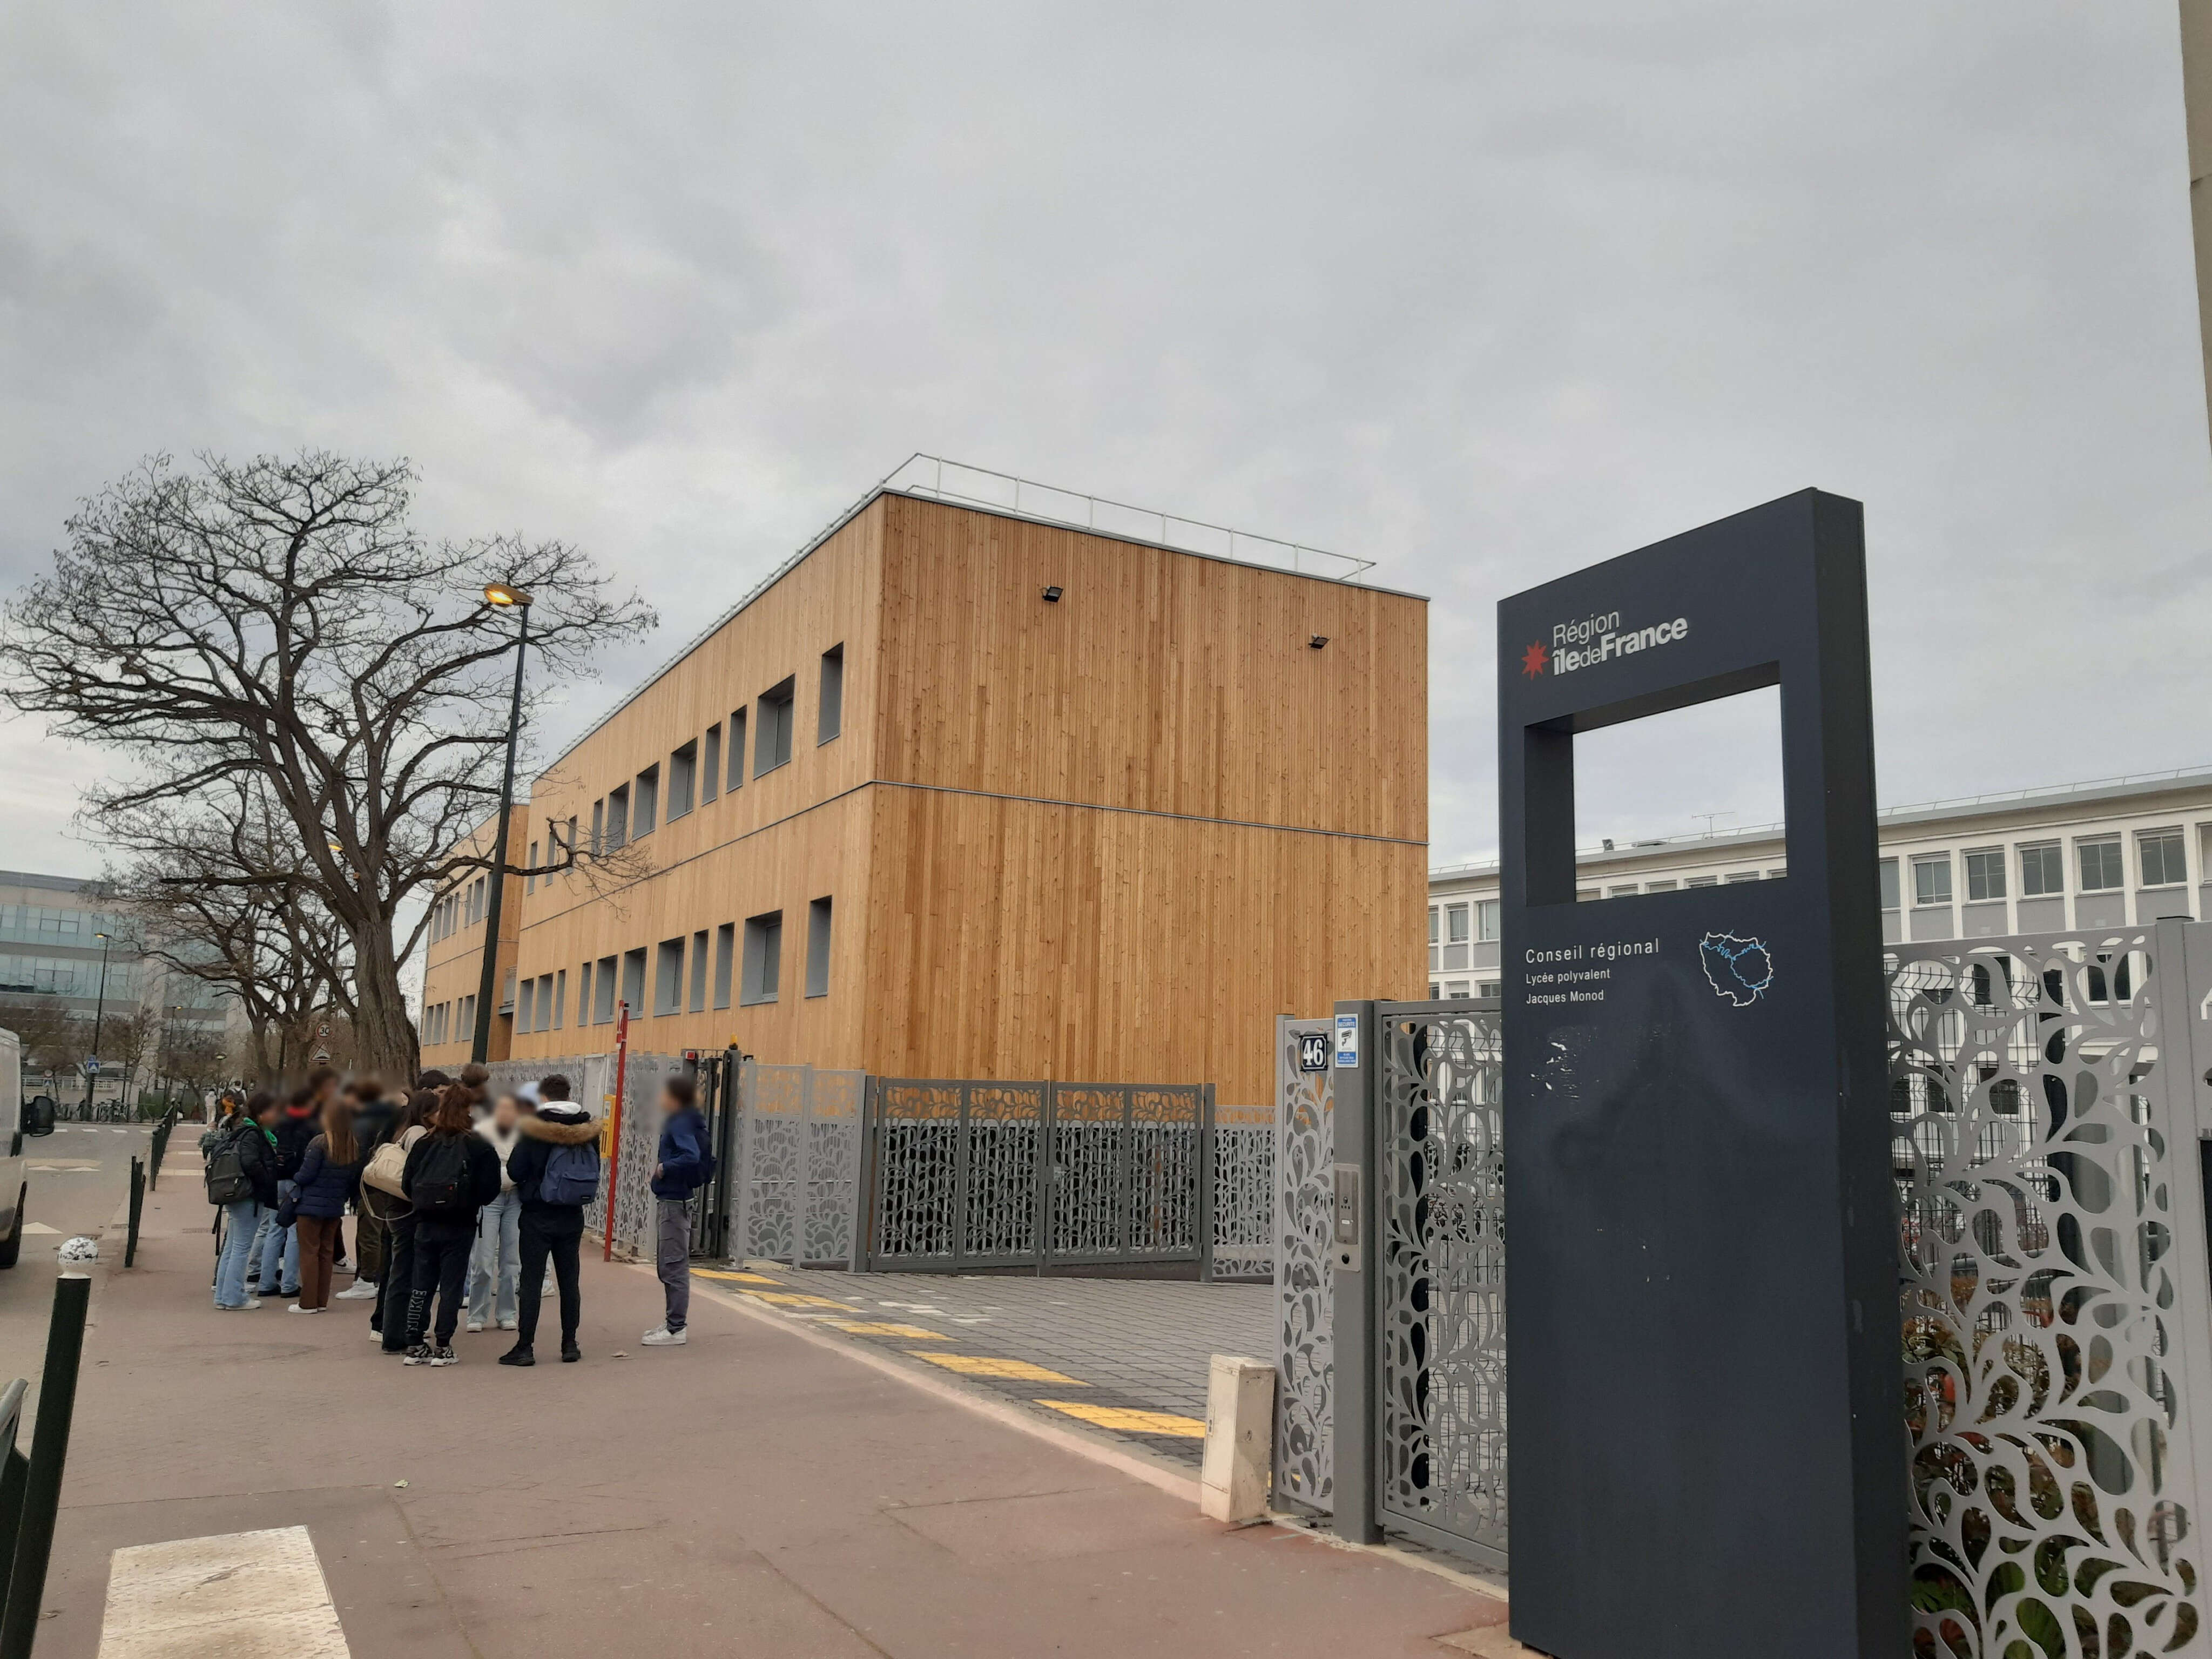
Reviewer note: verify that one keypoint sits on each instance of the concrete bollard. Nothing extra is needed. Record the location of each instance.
(1240, 1434)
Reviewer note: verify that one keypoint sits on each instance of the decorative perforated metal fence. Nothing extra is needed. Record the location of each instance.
(963, 1176)
(2053, 1290)
(1243, 1192)
(591, 1082)
(1305, 1298)
(798, 1145)
(1440, 1446)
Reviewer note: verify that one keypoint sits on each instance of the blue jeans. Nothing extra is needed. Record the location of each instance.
(240, 1221)
(497, 1255)
(280, 1248)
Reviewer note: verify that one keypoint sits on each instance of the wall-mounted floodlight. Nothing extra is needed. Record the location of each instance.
(1052, 594)
(1317, 641)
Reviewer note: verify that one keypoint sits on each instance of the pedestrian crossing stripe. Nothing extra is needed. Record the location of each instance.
(871, 1327)
(1131, 1422)
(977, 1365)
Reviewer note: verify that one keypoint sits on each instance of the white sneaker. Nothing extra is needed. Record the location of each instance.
(361, 1290)
(252, 1300)
(662, 1337)
(475, 1325)
(509, 1324)
(296, 1307)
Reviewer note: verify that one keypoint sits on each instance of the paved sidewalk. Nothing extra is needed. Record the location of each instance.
(1128, 1356)
(760, 1492)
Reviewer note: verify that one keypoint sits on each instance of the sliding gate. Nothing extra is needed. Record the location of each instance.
(962, 1176)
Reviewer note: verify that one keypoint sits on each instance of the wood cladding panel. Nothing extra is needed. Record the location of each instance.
(452, 966)
(1160, 681)
(830, 598)
(1011, 939)
(822, 853)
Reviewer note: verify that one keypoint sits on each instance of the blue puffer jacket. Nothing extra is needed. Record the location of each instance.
(684, 1161)
(323, 1186)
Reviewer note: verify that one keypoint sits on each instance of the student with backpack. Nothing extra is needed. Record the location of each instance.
(681, 1167)
(383, 1194)
(375, 1119)
(241, 1180)
(451, 1173)
(555, 1167)
(317, 1207)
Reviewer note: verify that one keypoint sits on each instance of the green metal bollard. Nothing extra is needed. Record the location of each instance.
(137, 1205)
(42, 1485)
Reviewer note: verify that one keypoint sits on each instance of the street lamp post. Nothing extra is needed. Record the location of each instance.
(98, 1013)
(500, 593)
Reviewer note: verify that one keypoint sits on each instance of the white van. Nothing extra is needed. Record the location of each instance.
(36, 1119)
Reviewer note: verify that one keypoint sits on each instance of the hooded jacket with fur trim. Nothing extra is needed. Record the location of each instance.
(558, 1123)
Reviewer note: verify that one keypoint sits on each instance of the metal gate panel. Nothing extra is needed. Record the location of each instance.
(1243, 1193)
(773, 1153)
(834, 1103)
(1089, 1211)
(1306, 1284)
(2053, 1291)
(1002, 1133)
(1441, 1357)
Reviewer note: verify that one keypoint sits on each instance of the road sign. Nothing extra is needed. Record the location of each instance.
(91, 1066)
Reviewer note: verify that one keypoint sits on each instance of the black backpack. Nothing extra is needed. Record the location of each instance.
(226, 1180)
(441, 1189)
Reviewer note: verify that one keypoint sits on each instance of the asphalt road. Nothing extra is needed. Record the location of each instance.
(78, 1176)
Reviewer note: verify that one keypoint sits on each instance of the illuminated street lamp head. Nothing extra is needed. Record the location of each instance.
(500, 594)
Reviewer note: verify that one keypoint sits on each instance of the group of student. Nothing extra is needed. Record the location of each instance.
(462, 1199)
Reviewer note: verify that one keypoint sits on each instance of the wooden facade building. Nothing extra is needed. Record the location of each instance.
(962, 794)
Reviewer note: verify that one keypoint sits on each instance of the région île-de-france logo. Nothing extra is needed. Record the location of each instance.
(1595, 640)
(1739, 969)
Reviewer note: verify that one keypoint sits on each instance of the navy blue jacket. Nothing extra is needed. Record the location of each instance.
(684, 1161)
(322, 1187)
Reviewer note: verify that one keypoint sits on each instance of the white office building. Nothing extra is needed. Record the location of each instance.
(2088, 856)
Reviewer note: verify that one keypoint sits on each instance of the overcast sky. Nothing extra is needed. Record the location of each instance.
(1482, 292)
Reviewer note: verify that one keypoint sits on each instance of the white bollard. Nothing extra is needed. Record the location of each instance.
(1240, 1434)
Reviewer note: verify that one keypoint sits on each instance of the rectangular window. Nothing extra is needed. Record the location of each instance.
(1743, 875)
(1486, 920)
(1432, 924)
(2042, 871)
(1702, 881)
(818, 948)
(525, 1004)
(1889, 899)
(699, 972)
(545, 1002)
(1985, 874)
(1931, 878)
(599, 826)
(633, 979)
(764, 966)
(830, 717)
(2099, 861)
(683, 779)
(583, 994)
(772, 740)
(1776, 875)
(725, 944)
(559, 995)
(737, 777)
(530, 881)
(2160, 854)
(1658, 886)
(710, 765)
(602, 1006)
(617, 818)
(645, 803)
(468, 1020)
(569, 847)
(668, 978)
(1629, 892)
(1455, 920)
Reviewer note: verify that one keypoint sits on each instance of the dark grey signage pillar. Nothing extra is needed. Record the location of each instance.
(1707, 1451)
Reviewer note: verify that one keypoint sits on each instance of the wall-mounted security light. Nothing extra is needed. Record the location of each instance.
(1052, 594)
(1317, 641)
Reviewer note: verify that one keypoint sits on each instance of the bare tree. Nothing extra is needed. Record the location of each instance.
(284, 619)
(226, 898)
(54, 1037)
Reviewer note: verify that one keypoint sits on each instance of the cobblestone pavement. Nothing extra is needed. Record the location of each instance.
(1126, 1355)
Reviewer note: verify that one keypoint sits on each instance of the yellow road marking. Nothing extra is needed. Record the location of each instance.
(790, 1299)
(975, 1364)
(1131, 1422)
(865, 1327)
(736, 1279)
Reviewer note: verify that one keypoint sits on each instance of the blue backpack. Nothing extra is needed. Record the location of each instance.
(572, 1175)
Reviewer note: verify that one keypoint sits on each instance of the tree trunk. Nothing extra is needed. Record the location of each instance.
(383, 1037)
